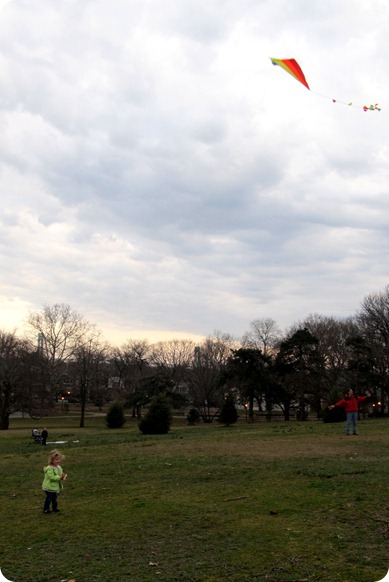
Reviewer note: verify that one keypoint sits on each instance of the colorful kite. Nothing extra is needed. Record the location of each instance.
(292, 67)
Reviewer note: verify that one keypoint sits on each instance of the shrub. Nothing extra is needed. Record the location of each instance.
(334, 415)
(158, 418)
(193, 416)
(228, 414)
(115, 416)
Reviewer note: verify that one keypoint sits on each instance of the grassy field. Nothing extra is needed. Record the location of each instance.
(275, 502)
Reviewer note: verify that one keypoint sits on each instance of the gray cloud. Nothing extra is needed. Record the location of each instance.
(159, 174)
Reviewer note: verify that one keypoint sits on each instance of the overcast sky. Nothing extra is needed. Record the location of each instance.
(163, 178)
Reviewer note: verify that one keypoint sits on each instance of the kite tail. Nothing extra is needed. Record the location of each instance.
(374, 107)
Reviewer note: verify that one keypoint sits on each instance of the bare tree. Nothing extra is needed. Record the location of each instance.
(210, 359)
(60, 331)
(221, 345)
(373, 319)
(8, 376)
(333, 337)
(374, 315)
(21, 385)
(264, 335)
(91, 369)
(131, 364)
(173, 358)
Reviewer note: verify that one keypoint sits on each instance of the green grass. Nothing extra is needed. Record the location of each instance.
(275, 502)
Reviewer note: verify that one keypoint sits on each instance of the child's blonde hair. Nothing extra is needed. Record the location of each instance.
(54, 454)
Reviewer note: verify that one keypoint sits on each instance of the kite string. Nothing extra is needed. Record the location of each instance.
(374, 107)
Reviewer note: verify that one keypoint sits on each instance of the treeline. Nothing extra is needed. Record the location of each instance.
(302, 369)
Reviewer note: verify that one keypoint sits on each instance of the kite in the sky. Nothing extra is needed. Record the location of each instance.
(292, 67)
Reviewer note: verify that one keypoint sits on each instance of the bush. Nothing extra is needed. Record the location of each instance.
(115, 416)
(334, 415)
(193, 416)
(228, 414)
(158, 418)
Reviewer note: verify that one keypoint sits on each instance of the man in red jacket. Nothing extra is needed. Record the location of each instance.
(351, 405)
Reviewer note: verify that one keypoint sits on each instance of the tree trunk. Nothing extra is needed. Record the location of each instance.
(4, 409)
(83, 395)
(4, 420)
(251, 408)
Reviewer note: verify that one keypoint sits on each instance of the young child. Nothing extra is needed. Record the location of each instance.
(53, 481)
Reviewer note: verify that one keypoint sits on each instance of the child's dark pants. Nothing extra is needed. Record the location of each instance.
(51, 499)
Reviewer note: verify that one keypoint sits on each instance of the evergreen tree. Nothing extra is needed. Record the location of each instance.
(248, 369)
(228, 414)
(299, 366)
(193, 416)
(115, 416)
(158, 417)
